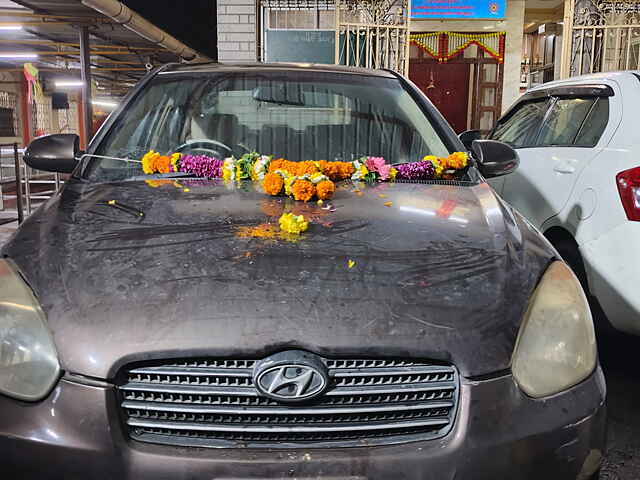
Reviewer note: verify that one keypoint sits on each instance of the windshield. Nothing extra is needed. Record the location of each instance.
(295, 115)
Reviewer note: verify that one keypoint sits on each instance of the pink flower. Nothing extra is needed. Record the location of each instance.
(378, 165)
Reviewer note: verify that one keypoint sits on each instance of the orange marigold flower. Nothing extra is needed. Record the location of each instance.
(346, 170)
(304, 168)
(456, 160)
(272, 183)
(325, 189)
(303, 190)
(277, 164)
(336, 170)
(162, 164)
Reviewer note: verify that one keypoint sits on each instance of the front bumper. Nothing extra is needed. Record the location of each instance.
(77, 432)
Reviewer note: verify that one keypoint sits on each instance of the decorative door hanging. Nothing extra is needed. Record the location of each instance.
(444, 46)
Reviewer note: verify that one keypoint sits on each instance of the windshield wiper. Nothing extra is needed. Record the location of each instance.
(123, 208)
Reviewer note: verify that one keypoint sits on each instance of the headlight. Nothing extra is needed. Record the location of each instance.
(556, 346)
(28, 362)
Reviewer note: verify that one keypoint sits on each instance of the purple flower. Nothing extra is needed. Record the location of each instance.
(416, 171)
(201, 165)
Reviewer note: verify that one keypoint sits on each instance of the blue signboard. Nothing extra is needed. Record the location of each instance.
(478, 9)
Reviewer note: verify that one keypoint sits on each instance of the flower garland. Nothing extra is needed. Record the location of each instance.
(306, 180)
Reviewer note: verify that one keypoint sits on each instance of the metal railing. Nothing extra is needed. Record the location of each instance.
(32, 187)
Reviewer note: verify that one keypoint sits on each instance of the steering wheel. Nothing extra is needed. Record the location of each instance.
(205, 146)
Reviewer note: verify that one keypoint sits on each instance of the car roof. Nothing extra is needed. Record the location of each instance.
(258, 66)
(620, 76)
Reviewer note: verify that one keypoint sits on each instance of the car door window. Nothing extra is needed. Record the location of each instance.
(562, 125)
(593, 128)
(519, 129)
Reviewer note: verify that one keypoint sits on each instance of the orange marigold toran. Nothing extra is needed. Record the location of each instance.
(336, 170)
(272, 183)
(456, 161)
(303, 190)
(162, 164)
(280, 164)
(346, 170)
(325, 189)
(304, 168)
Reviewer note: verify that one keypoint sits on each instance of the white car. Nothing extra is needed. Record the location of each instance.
(579, 181)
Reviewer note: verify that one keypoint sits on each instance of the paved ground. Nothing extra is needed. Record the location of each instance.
(618, 355)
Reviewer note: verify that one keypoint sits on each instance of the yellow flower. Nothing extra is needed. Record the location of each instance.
(148, 162)
(228, 168)
(438, 166)
(393, 172)
(317, 177)
(429, 158)
(174, 160)
(361, 171)
(291, 223)
(289, 180)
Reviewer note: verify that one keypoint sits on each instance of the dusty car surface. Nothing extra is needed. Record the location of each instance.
(157, 322)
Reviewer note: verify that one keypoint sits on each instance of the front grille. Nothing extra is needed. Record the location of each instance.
(214, 403)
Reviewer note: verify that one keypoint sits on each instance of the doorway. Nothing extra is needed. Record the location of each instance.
(447, 86)
(467, 88)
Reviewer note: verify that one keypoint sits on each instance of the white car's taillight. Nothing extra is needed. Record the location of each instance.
(629, 188)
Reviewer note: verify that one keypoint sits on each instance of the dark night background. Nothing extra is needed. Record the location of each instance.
(193, 22)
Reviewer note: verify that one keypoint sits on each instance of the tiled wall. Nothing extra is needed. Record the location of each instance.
(236, 30)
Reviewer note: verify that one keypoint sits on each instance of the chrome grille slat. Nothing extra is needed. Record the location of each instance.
(358, 372)
(272, 429)
(132, 405)
(205, 371)
(189, 389)
(422, 387)
(213, 403)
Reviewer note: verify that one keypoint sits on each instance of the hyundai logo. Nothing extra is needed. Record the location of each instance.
(291, 376)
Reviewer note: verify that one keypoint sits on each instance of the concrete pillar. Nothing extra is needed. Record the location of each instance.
(514, 26)
(567, 38)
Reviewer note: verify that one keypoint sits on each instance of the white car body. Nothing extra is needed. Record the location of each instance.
(570, 193)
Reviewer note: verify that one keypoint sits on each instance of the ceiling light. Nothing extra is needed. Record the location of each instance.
(104, 103)
(19, 55)
(10, 27)
(69, 83)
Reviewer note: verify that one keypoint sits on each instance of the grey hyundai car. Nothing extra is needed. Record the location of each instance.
(156, 323)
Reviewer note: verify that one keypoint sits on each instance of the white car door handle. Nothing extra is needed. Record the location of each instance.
(564, 167)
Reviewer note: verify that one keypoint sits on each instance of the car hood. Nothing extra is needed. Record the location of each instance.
(133, 271)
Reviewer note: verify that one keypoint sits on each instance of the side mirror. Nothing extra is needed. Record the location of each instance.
(53, 153)
(494, 158)
(468, 136)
